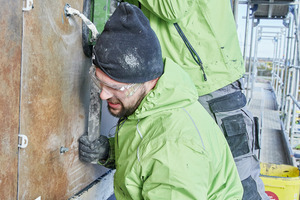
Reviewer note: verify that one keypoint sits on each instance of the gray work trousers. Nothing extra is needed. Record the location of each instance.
(228, 107)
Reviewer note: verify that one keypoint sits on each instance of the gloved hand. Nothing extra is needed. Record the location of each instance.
(94, 151)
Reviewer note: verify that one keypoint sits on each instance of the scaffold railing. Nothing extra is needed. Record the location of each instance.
(285, 64)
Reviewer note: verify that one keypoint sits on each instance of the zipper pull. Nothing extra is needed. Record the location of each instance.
(201, 66)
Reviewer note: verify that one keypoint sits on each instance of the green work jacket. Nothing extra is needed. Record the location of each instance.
(210, 28)
(170, 148)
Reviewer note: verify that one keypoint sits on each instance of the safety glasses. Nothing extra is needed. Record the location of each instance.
(126, 90)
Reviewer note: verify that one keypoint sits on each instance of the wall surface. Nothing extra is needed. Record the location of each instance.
(10, 65)
(45, 96)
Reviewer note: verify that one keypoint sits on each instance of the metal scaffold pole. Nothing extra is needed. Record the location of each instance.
(246, 32)
(293, 95)
(254, 69)
(286, 69)
(236, 11)
(250, 78)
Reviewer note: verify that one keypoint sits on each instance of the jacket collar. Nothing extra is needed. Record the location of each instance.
(173, 90)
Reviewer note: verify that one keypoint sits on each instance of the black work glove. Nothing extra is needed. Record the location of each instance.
(94, 151)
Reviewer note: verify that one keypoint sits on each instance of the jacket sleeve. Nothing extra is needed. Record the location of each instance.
(181, 175)
(168, 10)
(110, 162)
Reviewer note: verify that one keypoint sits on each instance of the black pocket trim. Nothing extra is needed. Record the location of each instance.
(257, 133)
(250, 189)
(228, 102)
(236, 134)
(234, 125)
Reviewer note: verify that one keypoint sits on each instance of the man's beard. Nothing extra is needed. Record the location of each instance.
(125, 112)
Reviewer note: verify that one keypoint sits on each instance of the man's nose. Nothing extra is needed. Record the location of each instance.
(105, 94)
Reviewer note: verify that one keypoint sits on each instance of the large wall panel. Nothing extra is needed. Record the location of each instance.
(54, 103)
(10, 65)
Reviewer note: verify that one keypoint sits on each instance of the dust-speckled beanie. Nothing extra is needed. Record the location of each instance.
(128, 50)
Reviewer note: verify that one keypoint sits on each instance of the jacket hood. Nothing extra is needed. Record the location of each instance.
(174, 89)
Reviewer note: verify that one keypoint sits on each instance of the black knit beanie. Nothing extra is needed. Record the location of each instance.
(128, 50)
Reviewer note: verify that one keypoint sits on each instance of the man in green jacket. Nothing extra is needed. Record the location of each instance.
(209, 27)
(166, 145)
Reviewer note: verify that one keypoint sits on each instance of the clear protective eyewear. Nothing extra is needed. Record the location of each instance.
(127, 90)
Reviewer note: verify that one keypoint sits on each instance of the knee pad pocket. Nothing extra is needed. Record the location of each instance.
(234, 120)
(236, 134)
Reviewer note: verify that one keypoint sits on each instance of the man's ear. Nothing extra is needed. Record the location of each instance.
(151, 84)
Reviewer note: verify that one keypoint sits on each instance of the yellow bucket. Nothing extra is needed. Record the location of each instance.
(282, 182)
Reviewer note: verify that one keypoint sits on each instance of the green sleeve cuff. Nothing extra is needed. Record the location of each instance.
(110, 162)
